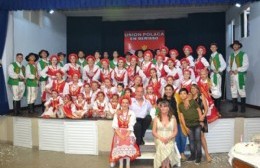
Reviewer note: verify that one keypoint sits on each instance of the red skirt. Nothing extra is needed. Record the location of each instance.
(123, 148)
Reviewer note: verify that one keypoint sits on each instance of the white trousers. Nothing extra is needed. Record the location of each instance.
(18, 91)
(235, 90)
(32, 93)
(42, 86)
(216, 89)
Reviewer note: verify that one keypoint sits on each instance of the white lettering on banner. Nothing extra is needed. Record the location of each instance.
(144, 34)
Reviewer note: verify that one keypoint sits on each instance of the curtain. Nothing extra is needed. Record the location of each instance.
(4, 108)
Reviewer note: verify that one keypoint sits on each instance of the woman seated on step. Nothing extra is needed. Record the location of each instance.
(164, 132)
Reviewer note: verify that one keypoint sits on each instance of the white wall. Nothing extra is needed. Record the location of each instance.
(250, 46)
(24, 36)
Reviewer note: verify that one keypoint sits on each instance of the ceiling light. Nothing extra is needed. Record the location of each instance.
(238, 5)
(51, 11)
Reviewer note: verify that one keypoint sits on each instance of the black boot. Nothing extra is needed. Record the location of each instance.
(43, 107)
(33, 110)
(30, 108)
(15, 108)
(19, 107)
(217, 103)
(234, 103)
(243, 105)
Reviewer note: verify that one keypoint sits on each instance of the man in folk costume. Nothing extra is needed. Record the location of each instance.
(113, 63)
(217, 66)
(91, 71)
(140, 54)
(81, 59)
(44, 62)
(237, 68)
(61, 58)
(16, 80)
(188, 51)
(32, 78)
(97, 56)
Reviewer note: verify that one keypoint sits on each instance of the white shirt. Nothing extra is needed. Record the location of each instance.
(140, 111)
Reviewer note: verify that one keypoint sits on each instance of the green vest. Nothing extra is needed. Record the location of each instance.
(17, 70)
(239, 61)
(112, 64)
(43, 64)
(216, 64)
(32, 82)
(98, 64)
(60, 64)
(82, 64)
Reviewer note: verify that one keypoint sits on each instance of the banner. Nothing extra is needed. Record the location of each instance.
(145, 39)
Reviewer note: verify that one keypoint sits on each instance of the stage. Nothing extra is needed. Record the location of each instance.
(94, 136)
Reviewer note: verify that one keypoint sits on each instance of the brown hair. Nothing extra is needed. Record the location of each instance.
(170, 113)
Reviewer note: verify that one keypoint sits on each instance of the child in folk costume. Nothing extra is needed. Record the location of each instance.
(217, 66)
(133, 70)
(205, 85)
(58, 84)
(173, 55)
(140, 55)
(52, 106)
(44, 62)
(188, 51)
(113, 106)
(120, 89)
(108, 88)
(81, 106)
(152, 98)
(88, 93)
(72, 67)
(68, 107)
(81, 59)
(201, 63)
(186, 82)
(113, 63)
(61, 57)
(50, 72)
(172, 70)
(105, 71)
(91, 71)
(164, 51)
(169, 81)
(124, 142)
(147, 63)
(128, 92)
(32, 78)
(119, 74)
(95, 87)
(156, 82)
(100, 106)
(74, 87)
(185, 66)
(137, 83)
(159, 66)
(16, 73)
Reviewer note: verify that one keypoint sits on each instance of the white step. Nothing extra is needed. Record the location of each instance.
(146, 155)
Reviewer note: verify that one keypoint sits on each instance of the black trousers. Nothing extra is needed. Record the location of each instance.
(140, 127)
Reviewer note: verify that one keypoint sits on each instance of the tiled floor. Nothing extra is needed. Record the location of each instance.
(18, 157)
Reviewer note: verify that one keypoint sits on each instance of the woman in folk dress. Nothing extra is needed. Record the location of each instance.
(124, 142)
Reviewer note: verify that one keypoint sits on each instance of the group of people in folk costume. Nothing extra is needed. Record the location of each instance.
(93, 87)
